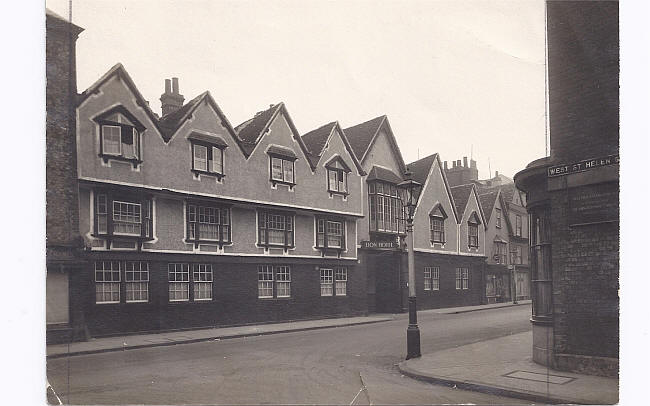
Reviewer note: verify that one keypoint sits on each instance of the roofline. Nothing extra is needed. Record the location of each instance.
(400, 160)
(444, 179)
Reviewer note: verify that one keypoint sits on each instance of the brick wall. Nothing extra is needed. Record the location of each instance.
(61, 161)
(585, 283)
(234, 301)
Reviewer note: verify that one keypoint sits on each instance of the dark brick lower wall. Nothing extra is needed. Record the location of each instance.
(585, 282)
(235, 297)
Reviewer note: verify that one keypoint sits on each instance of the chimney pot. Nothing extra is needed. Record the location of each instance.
(175, 85)
(496, 174)
(168, 86)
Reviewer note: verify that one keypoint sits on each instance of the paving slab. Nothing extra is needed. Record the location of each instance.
(504, 366)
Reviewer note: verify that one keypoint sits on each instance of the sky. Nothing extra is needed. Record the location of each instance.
(460, 78)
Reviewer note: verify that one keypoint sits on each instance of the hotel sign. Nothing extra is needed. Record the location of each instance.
(587, 164)
(379, 244)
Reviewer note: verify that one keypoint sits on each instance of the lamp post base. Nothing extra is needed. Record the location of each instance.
(412, 332)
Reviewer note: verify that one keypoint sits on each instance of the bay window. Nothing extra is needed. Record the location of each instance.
(386, 210)
(275, 229)
(122, 215)
(330, 233)
(208, 223)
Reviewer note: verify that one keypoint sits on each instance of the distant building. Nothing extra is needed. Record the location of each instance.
(64, 246)
(460, 173)
(573, 195)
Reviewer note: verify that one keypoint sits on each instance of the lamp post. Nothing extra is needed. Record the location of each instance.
(411, 192)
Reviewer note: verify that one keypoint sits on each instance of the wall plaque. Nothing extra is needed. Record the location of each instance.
(593, 204)
(379, 244)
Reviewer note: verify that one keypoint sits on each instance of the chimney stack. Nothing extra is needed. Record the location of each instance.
(496, 174)
(465, 162)
(445, 165)
(171, 100)
(472, 164)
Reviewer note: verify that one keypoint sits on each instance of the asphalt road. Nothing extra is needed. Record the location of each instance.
(326, 366)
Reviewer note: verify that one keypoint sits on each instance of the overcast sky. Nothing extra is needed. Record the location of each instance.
(454, 77)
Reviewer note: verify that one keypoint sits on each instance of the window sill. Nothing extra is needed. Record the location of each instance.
(134, 161)
(275, 182)
(207, 242)
(336, 192)
(438, 242)
(272, 246)
(198, 172)
(275, 298)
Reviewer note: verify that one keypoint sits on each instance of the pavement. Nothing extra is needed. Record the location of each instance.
(131, 342)
(504, 366)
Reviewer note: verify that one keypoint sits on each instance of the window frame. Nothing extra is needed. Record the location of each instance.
(193, 211)
(136, 140)
(325, 221)
(432, 221)
(280, 275)
(500, 255)
(341, 281)
(283, 159)
(497, 217)
(389, 205)
(184, 270)
(462, 278)
(432, 276)
(263, 229)
(518, 225)
(105, 218)
(140, 281)
(123, 285)
(112, 283)
(210, 150)
(326, 281)
(207, 271)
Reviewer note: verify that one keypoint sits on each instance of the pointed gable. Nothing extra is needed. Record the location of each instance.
(487, 202)
(363, 136)
(461, 194)
(251, 131)
(422, 171)
(317, 140)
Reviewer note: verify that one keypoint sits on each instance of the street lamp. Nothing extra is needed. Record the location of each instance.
(411, 192)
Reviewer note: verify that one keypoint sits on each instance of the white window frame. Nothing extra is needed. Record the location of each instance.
(326, 282)
(102, 285)
(435, 278)
(200, 163)
(340, 182)
(459, 279)
(341, 281)
(119, 141)
(432, 224)
(265, 281)
(284, 166)
(428, 281)
(465, 278)
(119, 220)
(282, 279)
(202, 282)
(138, 282)
(176, 283)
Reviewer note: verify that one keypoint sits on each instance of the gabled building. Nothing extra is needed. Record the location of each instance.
(449, 239)
(382, 229)
(191, 222)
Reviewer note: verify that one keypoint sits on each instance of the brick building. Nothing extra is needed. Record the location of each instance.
(572, 195)
(63, 241)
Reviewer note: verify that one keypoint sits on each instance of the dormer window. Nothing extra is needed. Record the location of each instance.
(282, 168)
(337, 176)
(207, 154)
(437, 218)
(119, 136)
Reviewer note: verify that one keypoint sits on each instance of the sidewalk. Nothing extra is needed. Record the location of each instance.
(130, 342)
(504, 366)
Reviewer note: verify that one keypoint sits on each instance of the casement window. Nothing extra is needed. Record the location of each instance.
(136, 276)
(337, 181)
(462, 278)
(330, 233)
(337, 176)
(472, 234)
(282, 170)
(431, 278)
(120, 136)
(326, 282)
(208, 223)
(122, 215)
(202, 281)
(497, 217)
(275, 229)
(179, 282)
(273, 281)
(386, 211)
(341, 276)
(108, 277)
(207, 159)
(518, 225)
(500, 253)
